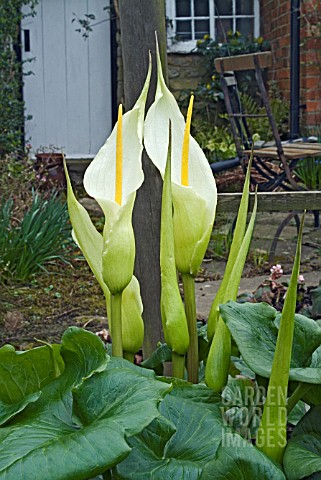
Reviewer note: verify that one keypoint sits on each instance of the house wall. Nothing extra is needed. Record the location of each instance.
(275, 27)
(185, 71)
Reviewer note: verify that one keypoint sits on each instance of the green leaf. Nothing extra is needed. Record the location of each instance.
(302, 456)
(83, 353)
(162, 354)
(118, 393)
(8, 411)
(238, 459)
(242, 401)
(297, 413)
(23, 375)
(200, 394)
(313, 395)
(176, 446)
(255, 331)
(307, 334)
(78, 427)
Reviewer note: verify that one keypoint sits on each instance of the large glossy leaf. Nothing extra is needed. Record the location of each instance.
(83, 354)
(200, 394)
(177, 445)
(78, 427)
(302, 456)
(238, 459)
(162, 354)
(8, 411)
(242, 401)
(24, 373)
(254, 329)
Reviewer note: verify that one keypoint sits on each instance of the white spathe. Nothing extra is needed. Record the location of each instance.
(195, 204)
(100, 183)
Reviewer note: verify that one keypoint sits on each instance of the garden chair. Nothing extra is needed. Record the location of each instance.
(273, 164)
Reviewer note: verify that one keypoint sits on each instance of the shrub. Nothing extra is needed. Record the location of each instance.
(217, 142)
(11, 102)
(210, 93)
(309, 172)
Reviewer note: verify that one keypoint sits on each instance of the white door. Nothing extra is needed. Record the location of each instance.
(68, 93)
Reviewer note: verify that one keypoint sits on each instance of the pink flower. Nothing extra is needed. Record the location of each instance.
(301, 280)
(276, 272)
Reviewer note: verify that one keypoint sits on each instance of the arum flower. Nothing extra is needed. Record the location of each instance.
(90, 241)
(194, 195)
(193, 184)
(112, 179)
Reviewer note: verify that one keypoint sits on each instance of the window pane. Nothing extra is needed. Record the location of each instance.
(202, 27)
(183, 8)
(244, 7)
(223, 7)
(183, 30)
(222, 26)
(245, 26)
(201, 8)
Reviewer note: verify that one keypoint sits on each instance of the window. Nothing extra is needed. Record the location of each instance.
(190, 20)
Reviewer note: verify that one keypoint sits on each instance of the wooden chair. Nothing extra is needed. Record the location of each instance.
(273, 164)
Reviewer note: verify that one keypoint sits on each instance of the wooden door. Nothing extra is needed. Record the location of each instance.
(68, 92)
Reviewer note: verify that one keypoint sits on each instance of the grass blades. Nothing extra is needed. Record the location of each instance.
(44, 234)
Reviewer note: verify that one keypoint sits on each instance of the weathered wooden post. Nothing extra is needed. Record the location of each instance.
(138, 22)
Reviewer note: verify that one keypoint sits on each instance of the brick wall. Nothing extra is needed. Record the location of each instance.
(275, 27)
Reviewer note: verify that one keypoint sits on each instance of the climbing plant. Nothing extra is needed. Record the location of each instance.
(11, 101)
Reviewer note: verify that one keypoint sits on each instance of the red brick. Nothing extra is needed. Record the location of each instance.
(313, 105)
(311, 82)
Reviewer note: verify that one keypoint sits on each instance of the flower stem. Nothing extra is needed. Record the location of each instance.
(298, 393)
(129, 356)
(190, 309)
(178, 365)
(116, 327)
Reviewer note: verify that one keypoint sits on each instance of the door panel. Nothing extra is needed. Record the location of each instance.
(68, 93)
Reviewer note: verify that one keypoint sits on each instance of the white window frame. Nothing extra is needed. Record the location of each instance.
(189, 45)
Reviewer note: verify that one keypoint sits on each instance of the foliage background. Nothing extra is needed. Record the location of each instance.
(11, 101)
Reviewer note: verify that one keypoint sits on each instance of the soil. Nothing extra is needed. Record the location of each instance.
(44, 307)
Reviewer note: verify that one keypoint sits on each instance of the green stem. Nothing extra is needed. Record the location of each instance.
(116, 327)
(129, 356)
(298, 393)
(190, 309)
(107, 475)
(178, 365)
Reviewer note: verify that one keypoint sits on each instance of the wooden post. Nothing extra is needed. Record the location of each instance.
(138, 22)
